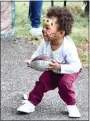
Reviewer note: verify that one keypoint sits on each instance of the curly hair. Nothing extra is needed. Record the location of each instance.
(64, 17)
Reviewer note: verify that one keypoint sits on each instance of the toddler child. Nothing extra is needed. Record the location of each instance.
(65, 66)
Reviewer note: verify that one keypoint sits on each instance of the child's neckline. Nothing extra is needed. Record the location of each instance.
(57, 47)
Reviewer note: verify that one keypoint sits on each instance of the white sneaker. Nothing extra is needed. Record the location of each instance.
(27, 107)
(36, 31)
(73, 111)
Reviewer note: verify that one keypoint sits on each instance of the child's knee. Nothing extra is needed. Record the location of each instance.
(65, 85)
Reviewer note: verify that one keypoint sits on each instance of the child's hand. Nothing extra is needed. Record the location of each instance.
(54, 66)
(28, 63)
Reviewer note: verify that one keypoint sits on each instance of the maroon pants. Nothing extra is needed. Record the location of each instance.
(49, 81)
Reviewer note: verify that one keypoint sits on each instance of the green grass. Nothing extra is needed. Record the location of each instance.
(22, 22)
(79, 30)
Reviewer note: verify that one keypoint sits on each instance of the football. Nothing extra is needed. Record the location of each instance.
(40, 63)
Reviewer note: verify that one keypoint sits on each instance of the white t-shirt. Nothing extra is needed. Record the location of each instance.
(66, 55)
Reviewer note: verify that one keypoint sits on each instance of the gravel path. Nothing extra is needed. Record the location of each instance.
(17, 79)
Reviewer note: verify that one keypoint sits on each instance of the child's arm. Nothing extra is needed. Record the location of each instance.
(38, 52)
(73, 63)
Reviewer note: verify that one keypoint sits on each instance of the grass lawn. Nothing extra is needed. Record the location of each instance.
(79, 31)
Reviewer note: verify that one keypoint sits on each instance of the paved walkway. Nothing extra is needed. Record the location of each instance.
(17, 79)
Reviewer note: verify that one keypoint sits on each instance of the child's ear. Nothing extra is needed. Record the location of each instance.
(62, 32)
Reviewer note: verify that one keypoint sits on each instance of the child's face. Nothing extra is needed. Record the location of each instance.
(50, 29)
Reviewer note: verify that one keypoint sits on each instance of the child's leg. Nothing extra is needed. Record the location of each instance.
(47, 81)
(67, 93)
(66, 88)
